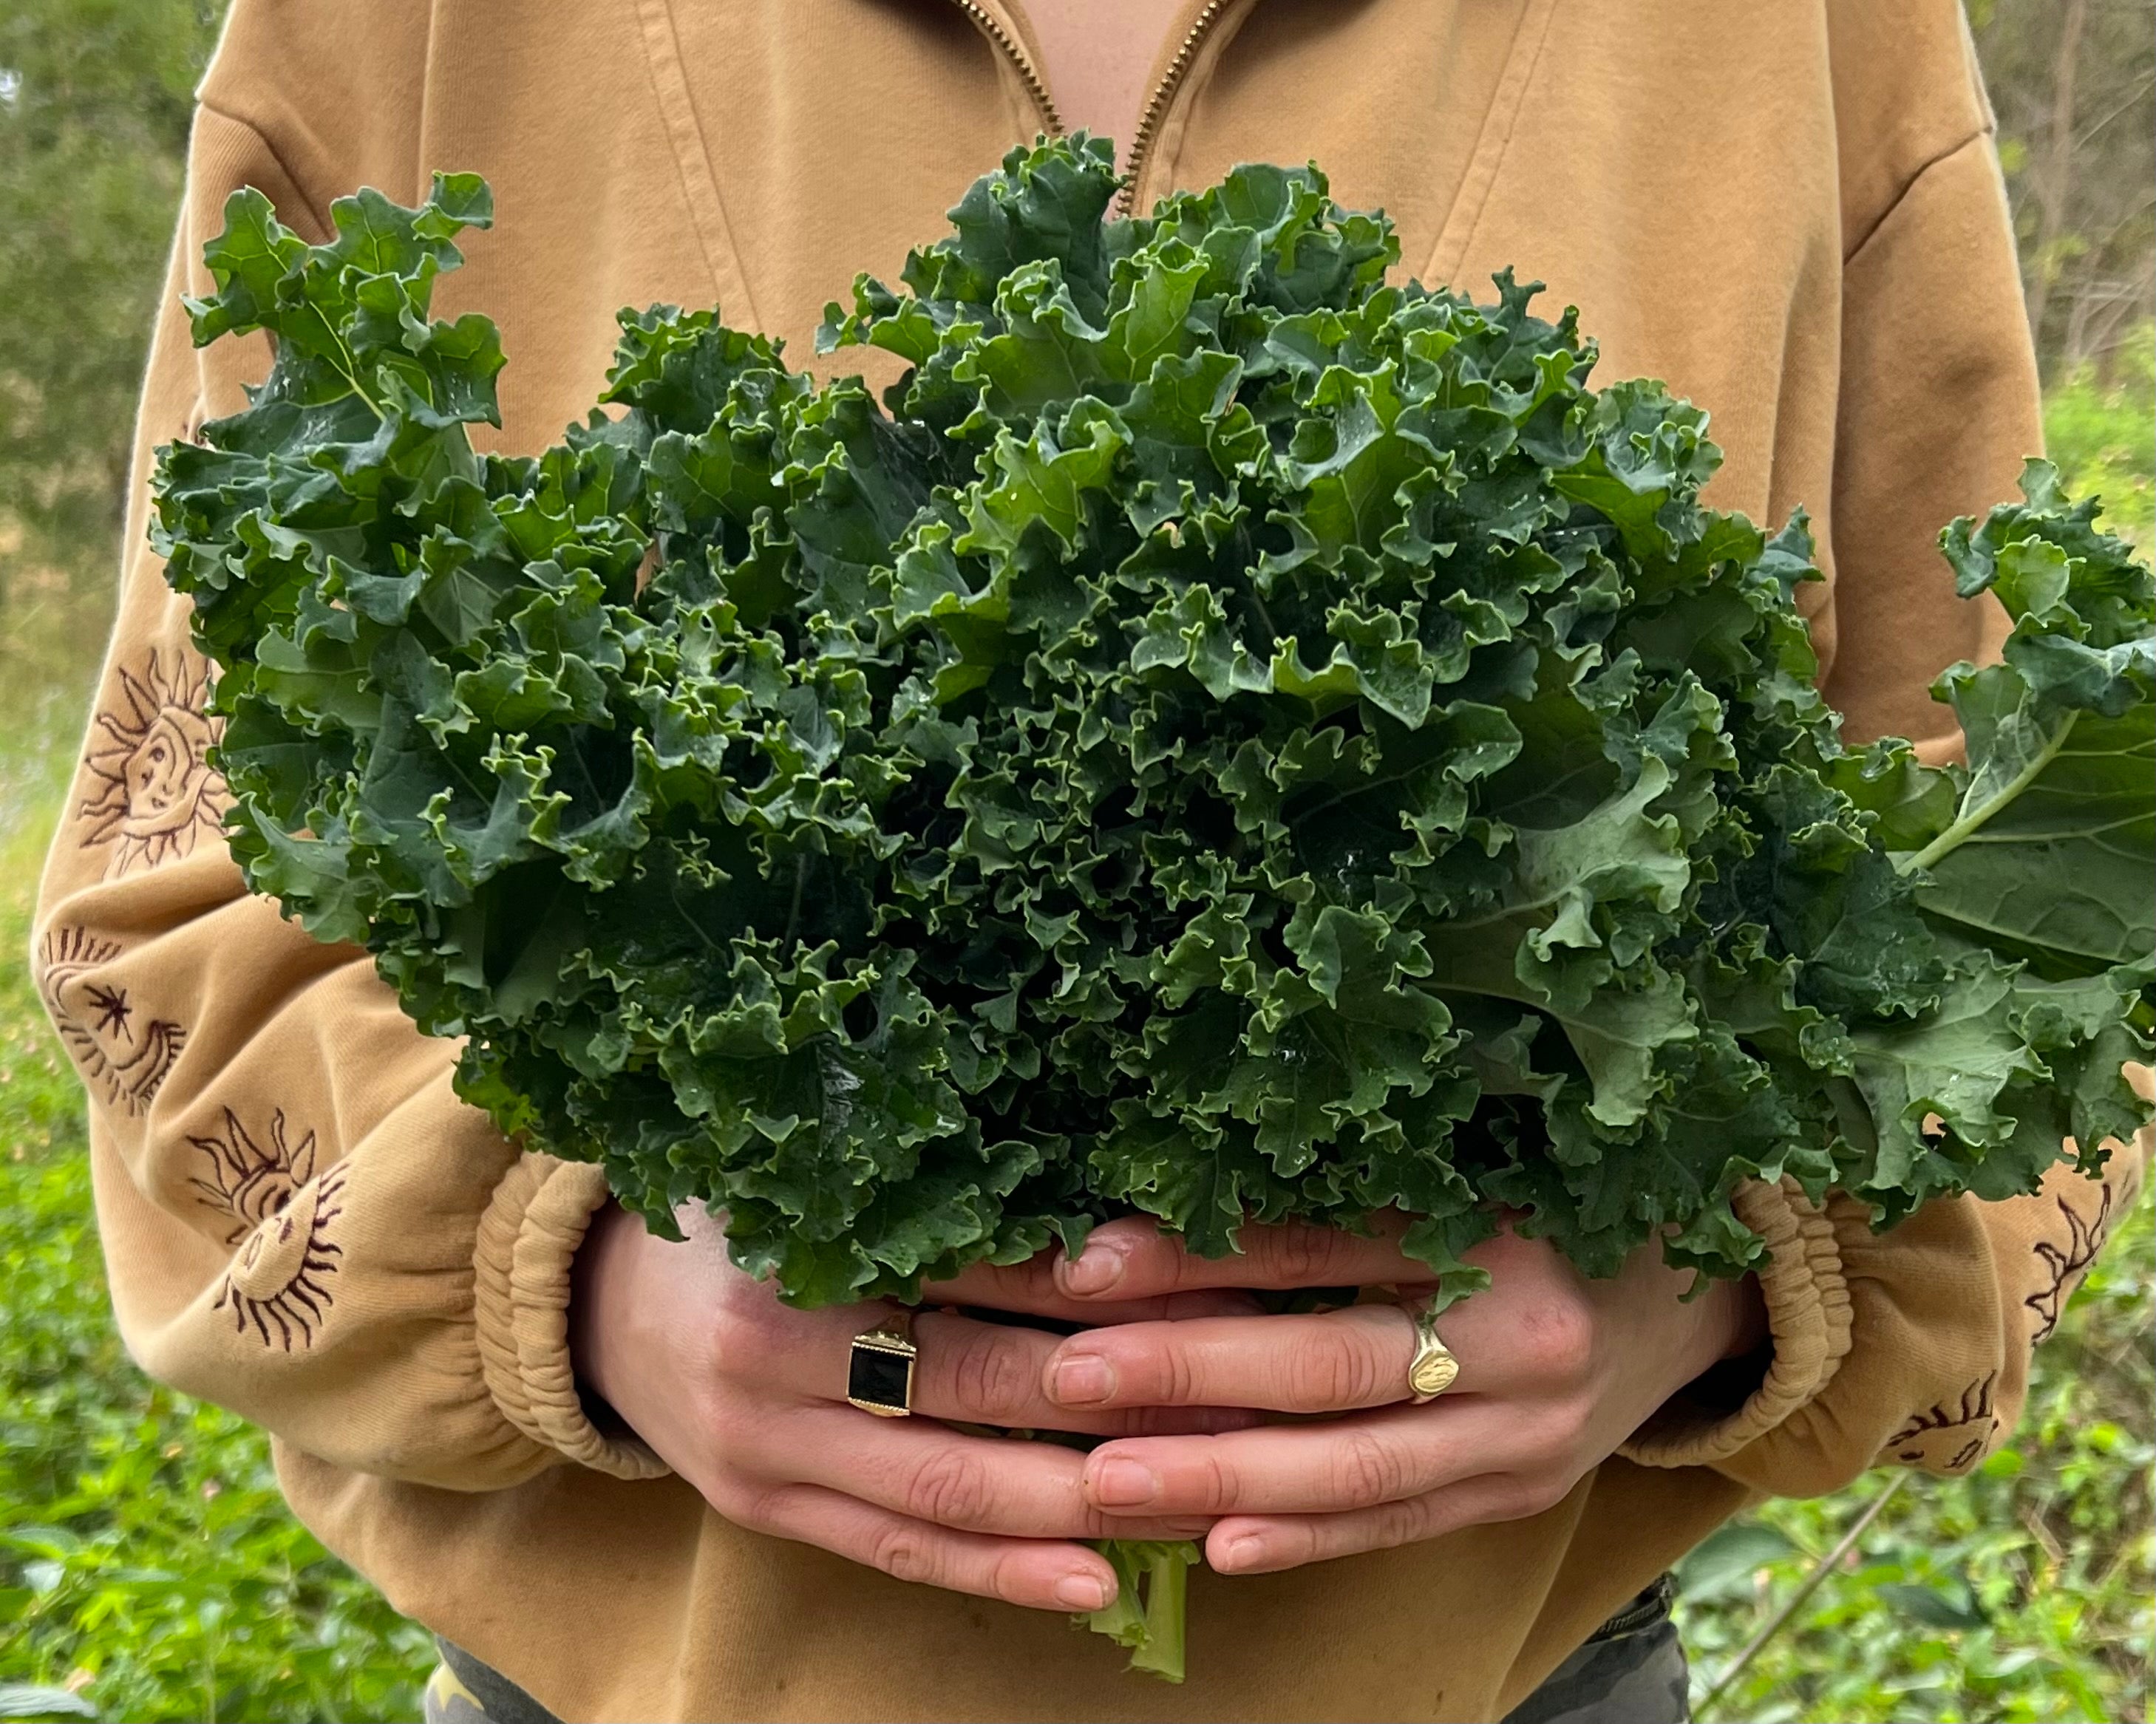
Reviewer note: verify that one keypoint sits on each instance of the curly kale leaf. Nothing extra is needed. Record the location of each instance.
(2047, 851)
(1228, 736)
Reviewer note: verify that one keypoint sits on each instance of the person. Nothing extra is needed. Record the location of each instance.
(613, 1474)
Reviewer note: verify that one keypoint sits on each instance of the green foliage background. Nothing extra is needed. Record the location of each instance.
(148, 1569)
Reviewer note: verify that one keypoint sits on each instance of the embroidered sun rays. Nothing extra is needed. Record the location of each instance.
(153, 792)
(2064, 1263)
(283, 1215)
(124, 1050)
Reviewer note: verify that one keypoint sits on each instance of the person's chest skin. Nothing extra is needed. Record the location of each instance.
(1097, 58)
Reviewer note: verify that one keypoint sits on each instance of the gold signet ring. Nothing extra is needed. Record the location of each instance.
(880, 1368)
(1433, 1369)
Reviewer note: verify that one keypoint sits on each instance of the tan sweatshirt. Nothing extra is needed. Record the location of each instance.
(1789, 209)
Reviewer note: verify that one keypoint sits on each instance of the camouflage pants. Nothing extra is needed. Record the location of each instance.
(1631, 1672)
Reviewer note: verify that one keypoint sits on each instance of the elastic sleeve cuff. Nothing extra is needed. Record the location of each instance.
(527, 1242)
(1808, 1315)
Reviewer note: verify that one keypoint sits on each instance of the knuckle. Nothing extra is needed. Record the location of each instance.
(1218, 1484)
(1152, 1422)
(1308, 1541)
(1367, 1470)
(1168, 1264)
(1547, 1493)
(1007, 1578)
(702, 1357)
(1167, 1421)
(951, 1489)
(1168, 1371)
(906, 1553)
(1367, 1376)
(759, 1510)
(1300, 1256)
(988, 1377)
(1204, 1482)
(744, 1340)
(1558, 1337)
(1523, 1496)
(1029, 1283)
(1398, 1523)
(1332, 1368)
(1299, 1539)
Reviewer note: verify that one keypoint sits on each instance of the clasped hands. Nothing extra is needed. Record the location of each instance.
(743, 1397)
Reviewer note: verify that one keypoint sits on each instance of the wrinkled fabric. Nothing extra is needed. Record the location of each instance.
(1633, 1671)
(1791, 214)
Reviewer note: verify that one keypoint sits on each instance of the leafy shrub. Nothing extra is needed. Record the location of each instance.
(2024, 1594)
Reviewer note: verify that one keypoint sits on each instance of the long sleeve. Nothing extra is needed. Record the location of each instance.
(1912, 1347)
(301, 1222)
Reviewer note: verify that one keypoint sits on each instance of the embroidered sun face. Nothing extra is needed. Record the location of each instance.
(1948, 1439)
(249, 1180)
(155, 791)
(124, 1052)
(278, 1286)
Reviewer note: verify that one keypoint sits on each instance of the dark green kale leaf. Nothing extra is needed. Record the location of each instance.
(1227, 737)
(2047, 852)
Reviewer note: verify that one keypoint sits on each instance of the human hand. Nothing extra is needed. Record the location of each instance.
(1555, 1371)
(745, 1398)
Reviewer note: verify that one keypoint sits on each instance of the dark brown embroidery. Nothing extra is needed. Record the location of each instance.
(123, 1053)
(279, 1280)
(1960, 1434)
(2084, 1239)
(113, 1011)
(246, 1181)
(155, 792)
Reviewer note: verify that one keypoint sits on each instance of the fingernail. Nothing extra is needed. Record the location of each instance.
(1084, 1380)
(1123, 1484)
(1093, 1271)
(1081, 1592)
(1241, 1553)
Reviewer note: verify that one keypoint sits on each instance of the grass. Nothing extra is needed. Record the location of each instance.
(2099, 432)
(149, 1570)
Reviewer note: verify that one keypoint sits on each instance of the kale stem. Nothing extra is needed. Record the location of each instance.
(1968, 825)
(1152, 1625)
(349, 370)
(1166, 1611)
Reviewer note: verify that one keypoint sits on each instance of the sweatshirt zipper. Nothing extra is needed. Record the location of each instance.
(1051, 121)
(1156, 109)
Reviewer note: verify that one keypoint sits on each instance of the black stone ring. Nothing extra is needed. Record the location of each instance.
(880, 1369)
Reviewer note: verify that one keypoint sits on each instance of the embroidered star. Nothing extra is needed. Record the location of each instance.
(113, 1010)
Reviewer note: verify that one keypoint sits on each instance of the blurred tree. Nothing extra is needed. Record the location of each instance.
(94, 96)
(2074, 82)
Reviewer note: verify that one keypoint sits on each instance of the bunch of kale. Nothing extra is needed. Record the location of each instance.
(1230, 738)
